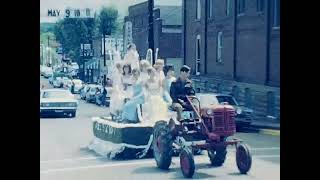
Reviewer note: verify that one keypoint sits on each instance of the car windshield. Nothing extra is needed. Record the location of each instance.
(207, 100)
(56, 94)
(229, 99)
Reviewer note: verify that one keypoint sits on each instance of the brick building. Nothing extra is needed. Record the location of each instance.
(167, 31)
(233, 46)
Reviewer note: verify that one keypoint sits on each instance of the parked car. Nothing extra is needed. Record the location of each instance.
(47, 72)
(84, 90)
(91, 94)
(57, 102)
(77, 86)
(57, 82)
(109, 89)
(244, 115)
(42, 69)
(107, 99)
(51, 79)
(65, 80)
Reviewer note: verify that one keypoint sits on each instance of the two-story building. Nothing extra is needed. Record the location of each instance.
(233, 46)
(167, 27)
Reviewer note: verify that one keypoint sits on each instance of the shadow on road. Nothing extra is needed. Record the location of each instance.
(177, 171)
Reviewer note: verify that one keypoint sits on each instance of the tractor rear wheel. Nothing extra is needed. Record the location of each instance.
(218, 155)
(162, 145)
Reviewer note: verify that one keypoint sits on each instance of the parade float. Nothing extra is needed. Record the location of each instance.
(203, 126)
(119, 140)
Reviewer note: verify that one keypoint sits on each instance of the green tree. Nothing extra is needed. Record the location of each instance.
(72, 32)
(107, 20)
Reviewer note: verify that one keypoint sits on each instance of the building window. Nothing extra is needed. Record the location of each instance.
(219, 47)
(260, 5)
(198, 55)
(241, 6)
(210, 8)
(276, 13)
(228, 7)
(198, 9)
(271, 104)
(219, 88)
(248, 97)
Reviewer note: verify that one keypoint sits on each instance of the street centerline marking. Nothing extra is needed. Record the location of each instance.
(76, 159)
(96, 166)
(101, 157)
(175, 160)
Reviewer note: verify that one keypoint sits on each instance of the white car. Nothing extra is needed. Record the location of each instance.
(47, 72)
(77, 86)
(57, 101)
(74, 66)
(91, 94)
(57, 82)
(65, 81)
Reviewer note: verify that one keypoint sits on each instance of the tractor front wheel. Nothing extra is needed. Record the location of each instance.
(187, 163)
(243, 158)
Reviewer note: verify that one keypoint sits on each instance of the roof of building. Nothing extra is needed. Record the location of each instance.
(170, 15)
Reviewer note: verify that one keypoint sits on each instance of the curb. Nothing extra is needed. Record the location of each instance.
(265, 127)
(270, 132)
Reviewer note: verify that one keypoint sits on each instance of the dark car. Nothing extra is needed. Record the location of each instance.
(244, 115)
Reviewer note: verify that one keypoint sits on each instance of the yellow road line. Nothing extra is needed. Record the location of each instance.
(270, 132)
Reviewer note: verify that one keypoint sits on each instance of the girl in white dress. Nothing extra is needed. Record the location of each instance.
(169, 73)
(159, 64)
(116, 94)
(126, 76)
(156, 107)
(144, 76)
(132, 56)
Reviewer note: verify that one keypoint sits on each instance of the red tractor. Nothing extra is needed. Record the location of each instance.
(204, 128)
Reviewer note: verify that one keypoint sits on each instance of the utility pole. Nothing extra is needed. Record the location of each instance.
(268, 8)
(49, 54)
(104, 56)
(235, 47)
(48, 40)
(150, 33)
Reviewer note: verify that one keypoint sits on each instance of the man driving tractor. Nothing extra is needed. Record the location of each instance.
(179, 90)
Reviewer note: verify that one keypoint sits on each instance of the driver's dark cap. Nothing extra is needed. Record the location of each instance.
(185, 68)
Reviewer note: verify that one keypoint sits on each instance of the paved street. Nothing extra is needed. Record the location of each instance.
(63, 156)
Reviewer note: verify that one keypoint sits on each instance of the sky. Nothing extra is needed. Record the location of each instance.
(121, 5)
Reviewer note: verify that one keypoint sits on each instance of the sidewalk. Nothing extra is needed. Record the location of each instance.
(265, 124)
